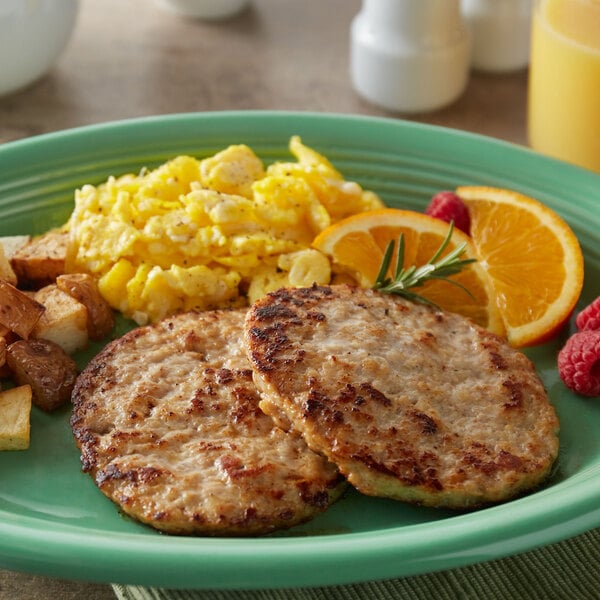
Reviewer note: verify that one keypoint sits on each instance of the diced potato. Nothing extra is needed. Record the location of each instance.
(4, 370)
(64, 321)
(42, 259)
(84, 289)
(18, 312)
(46, 367)
(15, 411)
(6, 271)
(13, 243)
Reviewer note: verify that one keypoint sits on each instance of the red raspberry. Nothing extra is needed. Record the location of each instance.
(579, 362)
(589, 317)
(447, 206)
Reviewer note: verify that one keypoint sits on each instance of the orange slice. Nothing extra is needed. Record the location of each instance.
(356, 246)
(532, 257)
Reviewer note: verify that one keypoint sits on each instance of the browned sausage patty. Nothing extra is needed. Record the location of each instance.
(410, 402)
(168, 424)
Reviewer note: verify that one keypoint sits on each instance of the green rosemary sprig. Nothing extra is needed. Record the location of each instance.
(404, 280)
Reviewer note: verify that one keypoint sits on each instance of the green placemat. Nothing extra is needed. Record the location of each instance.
(568, 570)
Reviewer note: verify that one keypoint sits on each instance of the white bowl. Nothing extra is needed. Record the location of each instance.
(33, 34)
(204, 9)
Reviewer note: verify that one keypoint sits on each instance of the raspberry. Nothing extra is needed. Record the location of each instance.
(447, 206)
(589, 317)
(579, 362)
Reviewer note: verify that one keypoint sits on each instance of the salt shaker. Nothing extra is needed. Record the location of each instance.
(500, 31)
(410, 55)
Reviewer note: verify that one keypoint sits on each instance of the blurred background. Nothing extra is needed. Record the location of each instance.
(131, 58)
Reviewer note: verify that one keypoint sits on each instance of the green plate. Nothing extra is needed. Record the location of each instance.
(53, 520)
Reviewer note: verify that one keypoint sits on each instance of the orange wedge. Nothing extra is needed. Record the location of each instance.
(532, 257)
(356, 246)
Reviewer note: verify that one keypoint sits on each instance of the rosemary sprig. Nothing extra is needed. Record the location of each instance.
(404, 280)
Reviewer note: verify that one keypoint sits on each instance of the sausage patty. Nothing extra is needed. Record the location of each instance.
(408, 401)
(168, 424)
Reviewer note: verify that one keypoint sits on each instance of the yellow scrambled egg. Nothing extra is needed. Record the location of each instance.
(216, 232)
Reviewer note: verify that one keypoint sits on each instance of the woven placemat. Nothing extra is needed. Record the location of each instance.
(566, 570)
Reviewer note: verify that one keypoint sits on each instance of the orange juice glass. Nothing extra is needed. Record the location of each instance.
(564, 81)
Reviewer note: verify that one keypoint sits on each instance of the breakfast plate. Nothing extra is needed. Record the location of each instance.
(54, 521)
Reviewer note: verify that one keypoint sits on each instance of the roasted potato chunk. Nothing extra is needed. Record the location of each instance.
(46, 367)
(41, 260)
(6, 271)
(15, 411)
(84, 289)
(64, 321)
(18, 311)
(13, 243)
(6, 338)
(4, 370)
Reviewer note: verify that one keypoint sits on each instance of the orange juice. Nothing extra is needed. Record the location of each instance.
(564, 81)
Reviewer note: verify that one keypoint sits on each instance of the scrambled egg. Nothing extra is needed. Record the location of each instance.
(216, 232)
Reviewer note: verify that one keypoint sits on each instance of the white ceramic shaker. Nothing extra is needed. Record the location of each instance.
(409, 55)
(500, 33)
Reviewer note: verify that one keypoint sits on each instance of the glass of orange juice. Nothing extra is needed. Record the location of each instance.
(564, 81)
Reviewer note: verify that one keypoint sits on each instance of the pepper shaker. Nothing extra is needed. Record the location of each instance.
(410, 55)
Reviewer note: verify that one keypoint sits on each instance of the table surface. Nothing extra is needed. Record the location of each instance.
(133, 58)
